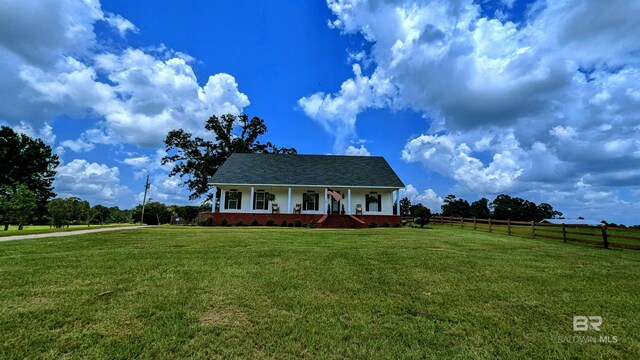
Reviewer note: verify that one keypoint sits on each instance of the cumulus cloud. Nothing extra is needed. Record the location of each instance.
(95, 182)
(428, 198)
(77, 145)
(357, 151)
(121, 24)
(510, 106)
(53, 65)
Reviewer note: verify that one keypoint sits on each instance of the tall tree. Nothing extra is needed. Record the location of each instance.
(480, 209)
(405, 204)
(27, 161)
(546, 211)
(196, 159)
(421, 213)
(17, 206)
(100, 214)
(58, 210)
(155, 213)
(454, 206)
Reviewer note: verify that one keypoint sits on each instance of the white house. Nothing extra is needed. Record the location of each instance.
(307, 187)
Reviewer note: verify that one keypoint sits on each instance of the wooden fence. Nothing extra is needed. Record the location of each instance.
(596, 235)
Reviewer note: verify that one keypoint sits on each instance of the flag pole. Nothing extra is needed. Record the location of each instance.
(144, 200)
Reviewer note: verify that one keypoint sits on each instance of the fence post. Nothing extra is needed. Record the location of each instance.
(509, 226)
(461, 222)
(490, 230)
(605, 239)
(533, 229)
(564, 233)
(450, 220)
(441, 220)
(474, 223)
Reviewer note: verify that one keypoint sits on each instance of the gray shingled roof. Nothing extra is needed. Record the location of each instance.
(329, 170)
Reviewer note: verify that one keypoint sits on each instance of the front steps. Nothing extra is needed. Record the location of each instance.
(338, 221)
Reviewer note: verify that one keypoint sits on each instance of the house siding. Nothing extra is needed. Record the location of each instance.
(358, 196)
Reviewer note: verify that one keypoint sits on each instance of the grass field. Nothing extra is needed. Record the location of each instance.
(305, 293)
(45, 229)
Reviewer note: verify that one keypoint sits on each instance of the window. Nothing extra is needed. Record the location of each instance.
(310, 200)
(374, 202)
(232, 199)
(260, 200)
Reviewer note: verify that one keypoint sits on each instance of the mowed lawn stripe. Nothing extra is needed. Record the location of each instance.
(290, 293)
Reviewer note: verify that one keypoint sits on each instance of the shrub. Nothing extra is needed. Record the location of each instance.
(396, 224)
(385, 224)
(373, 224)
(207, 222)
(284, 223)
(290, 225)
(298, 223)
(224, 222)
(240, 223)
(269, 222)
(255, 222)
(312, 224)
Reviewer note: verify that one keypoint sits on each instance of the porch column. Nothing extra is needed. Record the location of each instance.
(213, 203)
(398, 202)
(349, 201)
(325, 200)
(251, 201)
(289, 201)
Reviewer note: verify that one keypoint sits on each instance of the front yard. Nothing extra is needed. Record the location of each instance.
(291, 293)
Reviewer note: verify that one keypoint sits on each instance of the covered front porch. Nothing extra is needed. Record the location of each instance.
(309, 200)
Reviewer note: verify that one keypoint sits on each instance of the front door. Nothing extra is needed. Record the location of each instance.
(335, 206)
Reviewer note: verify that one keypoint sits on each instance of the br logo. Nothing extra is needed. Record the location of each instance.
(586, 323)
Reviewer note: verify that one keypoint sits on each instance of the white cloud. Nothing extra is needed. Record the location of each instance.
(511, 107)
(77, 145)
(357, 151)
(53, 65)
(428, 198)
(95, 182)
(148, 163)
(121, 24)
(45, 133)
(442, 154)
(337, 113)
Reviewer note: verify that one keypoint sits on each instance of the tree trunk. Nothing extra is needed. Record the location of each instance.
(6, 227)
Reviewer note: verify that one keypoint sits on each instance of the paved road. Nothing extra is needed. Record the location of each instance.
(68, 233)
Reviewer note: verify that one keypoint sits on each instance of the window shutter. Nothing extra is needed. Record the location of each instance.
(255, 200)
(239, 200)
(379, 202)
(266, 202)
(366, 202)
(226, 200)
(317, 201)
(304, 201)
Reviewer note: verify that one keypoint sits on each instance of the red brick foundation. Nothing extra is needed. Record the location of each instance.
(278, 219)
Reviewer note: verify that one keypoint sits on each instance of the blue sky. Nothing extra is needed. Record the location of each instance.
(475, 98)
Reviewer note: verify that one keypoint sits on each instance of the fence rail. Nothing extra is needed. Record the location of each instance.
(596, 235)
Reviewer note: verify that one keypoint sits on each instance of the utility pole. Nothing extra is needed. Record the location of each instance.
(144, 201)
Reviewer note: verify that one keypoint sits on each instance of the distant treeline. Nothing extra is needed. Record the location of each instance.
(503, 207)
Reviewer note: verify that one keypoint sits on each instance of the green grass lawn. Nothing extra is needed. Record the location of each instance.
(44, 229)
(292, 293)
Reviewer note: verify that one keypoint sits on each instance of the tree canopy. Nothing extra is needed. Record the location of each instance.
(27, 161)
(422, 214)
(196, 159)
(454, 206)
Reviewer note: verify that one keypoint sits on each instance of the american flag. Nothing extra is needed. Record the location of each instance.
(334, 194)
